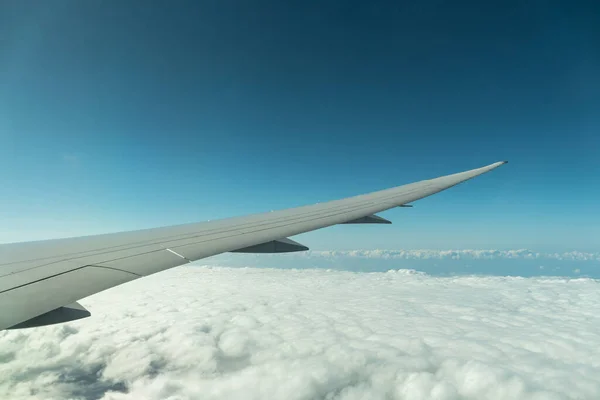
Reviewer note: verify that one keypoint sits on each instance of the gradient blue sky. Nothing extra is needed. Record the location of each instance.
(125, 115)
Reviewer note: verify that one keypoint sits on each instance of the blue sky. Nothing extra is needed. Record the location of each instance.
(126, 115)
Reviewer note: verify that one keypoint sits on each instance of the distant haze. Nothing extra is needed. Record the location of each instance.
(519, 262)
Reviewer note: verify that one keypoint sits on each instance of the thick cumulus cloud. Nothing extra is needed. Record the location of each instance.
(248, 333)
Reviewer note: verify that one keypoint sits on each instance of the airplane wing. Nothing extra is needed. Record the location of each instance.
(40, 282)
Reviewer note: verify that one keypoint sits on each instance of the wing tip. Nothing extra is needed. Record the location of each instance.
(497, 164)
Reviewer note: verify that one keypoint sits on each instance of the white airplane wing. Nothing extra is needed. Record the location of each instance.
(40, 282)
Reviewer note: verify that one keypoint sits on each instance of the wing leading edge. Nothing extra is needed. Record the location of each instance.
(40, 281)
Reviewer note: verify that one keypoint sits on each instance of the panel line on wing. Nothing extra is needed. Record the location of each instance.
(66, 272)
(41, 279)
(114, 269)
(178, 255)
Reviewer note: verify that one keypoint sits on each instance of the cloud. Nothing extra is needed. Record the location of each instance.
(522, 254)
(255, 333)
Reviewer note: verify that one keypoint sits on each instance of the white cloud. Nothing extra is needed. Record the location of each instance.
(227, 333)
(455, 254)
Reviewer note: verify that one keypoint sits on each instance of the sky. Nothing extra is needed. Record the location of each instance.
(126, 115)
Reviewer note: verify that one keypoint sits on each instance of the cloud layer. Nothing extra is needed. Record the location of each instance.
(458, 254)
(245, 333)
